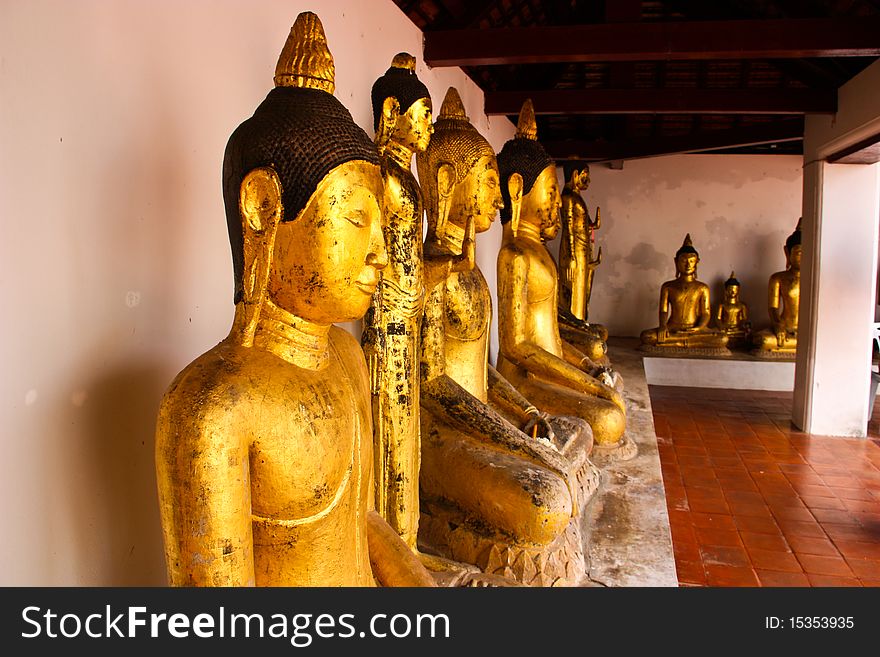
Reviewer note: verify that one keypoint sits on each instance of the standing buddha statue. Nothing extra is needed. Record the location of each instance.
(783, 302)
(402, 120)
(532, 355)
(684, 312)
(577, 266)
(502, 484)
(264, 443)
(732, 315)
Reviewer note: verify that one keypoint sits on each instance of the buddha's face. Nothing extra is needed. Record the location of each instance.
(479, 194)
(541, 205)
(414, 127)
(686, 264)
(731, 293)
(794, 256)
(326, 261)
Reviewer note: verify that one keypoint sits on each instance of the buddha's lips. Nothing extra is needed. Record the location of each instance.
(368, 282)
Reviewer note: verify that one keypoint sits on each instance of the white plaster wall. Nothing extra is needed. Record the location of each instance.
(115, 261)
(738, 209)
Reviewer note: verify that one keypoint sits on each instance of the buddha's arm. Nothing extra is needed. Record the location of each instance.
(663, 313)
(516, 344)
(204, 497)
(774, 305)
(719, 315)
(505, 396)
(392, 561)
(705, 311)
(444, 398)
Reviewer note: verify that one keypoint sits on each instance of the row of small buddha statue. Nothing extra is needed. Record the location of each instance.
(290, 455)
(684, 310)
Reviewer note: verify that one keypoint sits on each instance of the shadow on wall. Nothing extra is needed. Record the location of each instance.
(120, 537)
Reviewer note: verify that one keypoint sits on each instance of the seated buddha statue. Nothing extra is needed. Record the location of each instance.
(502, 484)
(402, 120)
(732, 315)
(783, 301)
(577, 266)
(685, 311)
(549, 371)
(264, 443)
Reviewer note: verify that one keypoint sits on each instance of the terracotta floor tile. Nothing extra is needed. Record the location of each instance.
(829, 580)
(799, 528)
(764, 541)
(858, 533)
(691, 572)
(824, 565)
(754, 501)
(708, 506)
(731, 576)
(717, 537)
(835, 515)
(747, 497)
(777, 578)
(685, 551)
(749, 509)
(792, 513)
(757, 524)
(856, 549)
(810, 545)
(773, 560)
(814, 502)
(864, 568)
(713, 520)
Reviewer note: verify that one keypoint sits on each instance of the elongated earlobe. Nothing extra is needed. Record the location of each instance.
(515, 187)
(261, 211)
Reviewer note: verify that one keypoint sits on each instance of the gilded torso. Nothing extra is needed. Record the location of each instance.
(467, 313)
(684, 299)
(300, 440)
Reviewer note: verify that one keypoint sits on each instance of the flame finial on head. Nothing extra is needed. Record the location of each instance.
(527, 126)
(306, 61)
(452, 107)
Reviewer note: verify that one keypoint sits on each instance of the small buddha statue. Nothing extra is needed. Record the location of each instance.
(549, 371)
(264, 443)
(577, 266)
(783, 302)
(502, 483)
(403, 124)
(685, 311)
(732, 315)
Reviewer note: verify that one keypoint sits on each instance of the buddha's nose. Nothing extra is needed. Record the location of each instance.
(377, 254)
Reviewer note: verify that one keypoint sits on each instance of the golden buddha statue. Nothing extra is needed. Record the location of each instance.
(732, 315)
(577, 266)
(548, 370)
(502, 483)
(402, 120)
(685, 312)
(264, 443)
(784, 290)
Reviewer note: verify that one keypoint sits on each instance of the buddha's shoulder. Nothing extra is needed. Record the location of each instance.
(512, 250)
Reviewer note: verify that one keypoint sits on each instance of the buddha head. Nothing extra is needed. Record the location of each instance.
(528, 179)
(793, 248)
(686, 258)
(458, 174)
(302, 190)
(577, 175)
(731, 290)
(402, 106)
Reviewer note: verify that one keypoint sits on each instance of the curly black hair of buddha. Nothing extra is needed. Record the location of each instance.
(400, 84)
(526, 157)
(302, 134)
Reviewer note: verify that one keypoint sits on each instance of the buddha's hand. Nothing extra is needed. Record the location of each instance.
(538, 426)
(662, 334)
(780, 337)
(614, 397)
(571, 271)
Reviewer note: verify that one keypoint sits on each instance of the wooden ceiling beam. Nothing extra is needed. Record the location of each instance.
(616, 42)
(606, 151)
(665, 101)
